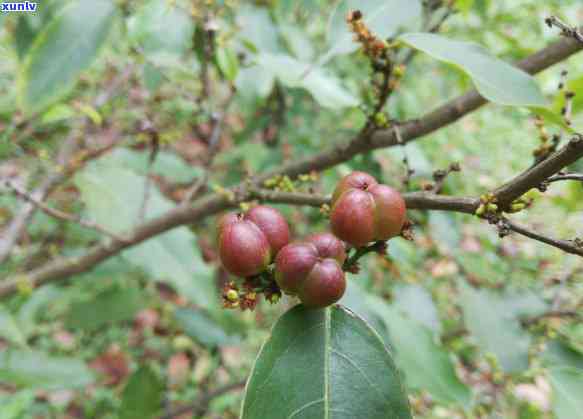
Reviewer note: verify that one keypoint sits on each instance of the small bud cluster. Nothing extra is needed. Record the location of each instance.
(286, 184)
(548, 143)
(488, 205)
(372, 46)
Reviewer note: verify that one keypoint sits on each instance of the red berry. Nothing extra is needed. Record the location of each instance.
(364, 211)
(249, 242)
(313, 270)
(328, 246)
(355, 180)
(293, 264)
(325, 285)
(272, 224)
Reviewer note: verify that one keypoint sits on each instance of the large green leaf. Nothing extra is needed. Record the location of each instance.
(37, 370)
(383, 17)
(493, 319)
(495, 79)
(324, 364)
(112, 305)
(65, 48)
(142, 396)
(567, 386)
(108, 189)
(426, 365)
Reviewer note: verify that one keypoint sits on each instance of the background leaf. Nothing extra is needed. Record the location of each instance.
(106, 189)
(494, 321)
(427, 366)
(203, 329)
(65, 48)
(162, 30)
(109, 306)
(313, 362)
(142, 396)
(567, 384)
(36, 370)
(496, 80)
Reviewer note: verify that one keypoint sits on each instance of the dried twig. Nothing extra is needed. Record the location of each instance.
(55, 213)
(566, 30)
(15, 229)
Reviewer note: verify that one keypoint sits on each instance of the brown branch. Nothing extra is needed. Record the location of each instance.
(200, 406)
(537, 174)
(550, 314)
(55, 213)
(213, 204)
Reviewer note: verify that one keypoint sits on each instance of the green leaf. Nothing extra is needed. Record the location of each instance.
(496, 80)
(64, 49)
(57, 113)
(322, 85)
(567, 384)
(297, 41)
(15, 405)
(493, 319)
(161, 30)
(9, 328)
(36, 370)
(426, 365)
(203, 329)
(257, 28)
(324, 364)
(24, 35)
(142, 396)
(383, 17)
(110, 306)
(32, 308)
(557, 354)
(228, 63)
(168, 165)
(107, 189)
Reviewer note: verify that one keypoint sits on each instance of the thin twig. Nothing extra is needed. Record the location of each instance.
(14, 231)
(217, 122)
(569, 246)
(154, 150)
(570, 176)
(55, 213)
(566, 30)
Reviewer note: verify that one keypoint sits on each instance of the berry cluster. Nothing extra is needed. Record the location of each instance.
(256, 245)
